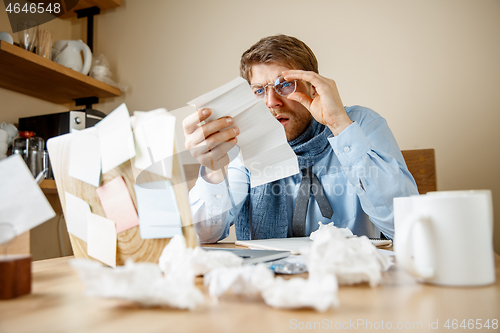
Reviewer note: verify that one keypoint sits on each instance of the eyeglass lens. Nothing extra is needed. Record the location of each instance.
(280, 85)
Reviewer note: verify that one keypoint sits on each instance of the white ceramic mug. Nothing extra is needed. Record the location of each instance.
(4, 136)
(446, 238)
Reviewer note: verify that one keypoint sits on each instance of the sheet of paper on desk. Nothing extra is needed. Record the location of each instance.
(116, 139)
(159, 215)
(85, 157)
(117, 204)
(262, 142)
(154, 141)
(101, 239)
(76, 216)
(22, 202)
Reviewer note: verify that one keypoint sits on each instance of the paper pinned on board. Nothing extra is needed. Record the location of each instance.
(76, 216)
(159, 215)
(85, 157)
(101, 239)
(154, 133)
(22, 202)
(262, 142)
(115, 138)
(117, 204)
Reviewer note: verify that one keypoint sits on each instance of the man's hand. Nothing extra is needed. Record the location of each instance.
(325, 105)
(210, 142)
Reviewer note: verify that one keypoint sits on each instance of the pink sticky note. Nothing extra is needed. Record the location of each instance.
(118, 205)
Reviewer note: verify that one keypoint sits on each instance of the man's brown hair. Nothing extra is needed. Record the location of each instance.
(282, 49)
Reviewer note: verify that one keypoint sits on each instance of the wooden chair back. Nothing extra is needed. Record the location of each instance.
(422, 165)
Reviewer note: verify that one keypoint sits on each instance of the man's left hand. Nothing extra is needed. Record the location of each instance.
(325, 105)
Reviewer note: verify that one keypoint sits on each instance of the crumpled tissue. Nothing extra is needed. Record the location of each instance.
(353, 260)
(319, 293)
(171, 283)
(142, 283)
(177, 257)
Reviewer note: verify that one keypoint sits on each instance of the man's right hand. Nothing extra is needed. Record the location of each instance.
(210, 142)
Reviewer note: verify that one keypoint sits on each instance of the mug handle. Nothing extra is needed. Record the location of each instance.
(404, 251)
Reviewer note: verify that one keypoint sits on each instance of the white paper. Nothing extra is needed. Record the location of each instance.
(22, 202)
(101, 239)
(353, 260)
(76, 216)
(319, 293)
(159, 215)
(116, 139)
(154, 133)
(176, 258)
(262, 142)
(142, 283)
(180, 114)
(85, 157)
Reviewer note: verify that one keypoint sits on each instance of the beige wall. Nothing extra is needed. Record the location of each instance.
(430, 67)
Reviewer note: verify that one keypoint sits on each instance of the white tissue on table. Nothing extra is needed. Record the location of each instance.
(245, 280)
(142, 283)
(344, 231)
(176, 256)
(352, 260)
(319, 293)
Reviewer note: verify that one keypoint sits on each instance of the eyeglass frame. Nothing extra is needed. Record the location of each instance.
(273, 85)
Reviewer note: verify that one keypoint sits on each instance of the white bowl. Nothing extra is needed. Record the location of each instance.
(2, 156)
(3, 148)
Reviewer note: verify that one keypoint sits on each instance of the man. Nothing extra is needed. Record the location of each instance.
(351, 166)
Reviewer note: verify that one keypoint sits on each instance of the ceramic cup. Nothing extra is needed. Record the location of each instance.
(3, 148)
(446, 238)
(4, 136)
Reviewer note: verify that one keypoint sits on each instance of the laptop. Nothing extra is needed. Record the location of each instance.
(253, 256)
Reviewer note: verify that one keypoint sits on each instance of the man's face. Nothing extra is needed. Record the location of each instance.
(292, 115)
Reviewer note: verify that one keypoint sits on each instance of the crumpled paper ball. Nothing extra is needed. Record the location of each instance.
(171, 283)
(142, 283)
(319, 293)
(176, 256)
(353, 260)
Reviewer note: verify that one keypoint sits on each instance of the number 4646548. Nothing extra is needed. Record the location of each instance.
(33, 8)
(472, 324)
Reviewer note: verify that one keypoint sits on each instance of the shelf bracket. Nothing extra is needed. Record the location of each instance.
(89, 14)
(87, 101)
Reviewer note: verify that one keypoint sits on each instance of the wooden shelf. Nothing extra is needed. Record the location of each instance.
(102, 4)
(33, 75)
(48, 186)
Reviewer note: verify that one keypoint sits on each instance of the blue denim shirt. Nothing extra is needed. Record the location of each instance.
(361, 174)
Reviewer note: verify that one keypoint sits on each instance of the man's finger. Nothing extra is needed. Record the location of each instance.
(190, 123)
(301, 98)
(311, 77)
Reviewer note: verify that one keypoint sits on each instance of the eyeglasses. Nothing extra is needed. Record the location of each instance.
(280, 85)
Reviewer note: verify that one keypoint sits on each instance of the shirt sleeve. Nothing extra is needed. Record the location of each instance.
(372, 160)
(214, 206)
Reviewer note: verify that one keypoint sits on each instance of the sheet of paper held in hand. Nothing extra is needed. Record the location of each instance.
(22, 202)
(262, 142)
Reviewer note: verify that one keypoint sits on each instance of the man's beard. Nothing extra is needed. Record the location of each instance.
(297, 122)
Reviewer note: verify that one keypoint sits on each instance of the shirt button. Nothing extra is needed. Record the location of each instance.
(218, 196)
(347, 149)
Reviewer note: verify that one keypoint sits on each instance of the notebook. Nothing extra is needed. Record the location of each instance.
(294, 244)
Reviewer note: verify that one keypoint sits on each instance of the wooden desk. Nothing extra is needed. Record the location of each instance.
(58, 304)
